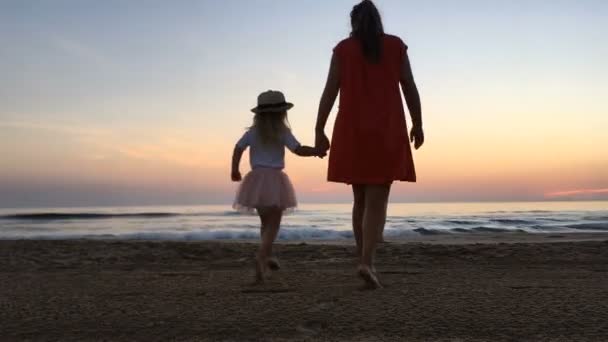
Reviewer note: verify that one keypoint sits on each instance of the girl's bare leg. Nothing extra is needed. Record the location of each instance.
(260, 267)
(271, 217)
(272, 262)
(263, 223)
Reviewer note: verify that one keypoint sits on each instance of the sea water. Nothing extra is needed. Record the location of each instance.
(308, 222)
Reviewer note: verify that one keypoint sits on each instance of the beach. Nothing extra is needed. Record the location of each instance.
(473, 287)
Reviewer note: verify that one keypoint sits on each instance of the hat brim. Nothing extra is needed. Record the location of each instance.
(279, 109)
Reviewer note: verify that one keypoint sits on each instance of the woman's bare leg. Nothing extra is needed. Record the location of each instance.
(376, 198)
(381, 231)
(358, 211)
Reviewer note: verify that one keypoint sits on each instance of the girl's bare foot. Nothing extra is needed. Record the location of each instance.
(273, 264)
(368, 275)
(260, 270)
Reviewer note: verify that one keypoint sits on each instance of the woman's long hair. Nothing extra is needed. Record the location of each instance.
(270, 126)
(367, 27)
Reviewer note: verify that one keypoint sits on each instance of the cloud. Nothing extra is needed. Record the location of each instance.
(578, 193)
(172, 150)
(62, 128)
(102, 143)
(77, 49)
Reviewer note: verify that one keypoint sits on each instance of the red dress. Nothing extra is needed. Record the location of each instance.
(370, 143)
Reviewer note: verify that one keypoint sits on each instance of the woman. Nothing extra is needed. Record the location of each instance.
(370, 146)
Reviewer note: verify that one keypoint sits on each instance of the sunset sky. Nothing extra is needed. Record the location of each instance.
(140, 102)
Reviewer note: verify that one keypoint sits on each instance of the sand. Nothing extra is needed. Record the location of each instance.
(508, 288)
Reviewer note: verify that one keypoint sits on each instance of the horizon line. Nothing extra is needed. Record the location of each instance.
(304, 203)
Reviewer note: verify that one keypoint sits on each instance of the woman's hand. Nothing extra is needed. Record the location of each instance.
(417, 136)
(320, 153)
(236, 176)
(321, 141)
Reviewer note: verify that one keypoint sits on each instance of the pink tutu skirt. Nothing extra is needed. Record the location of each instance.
(265, 188)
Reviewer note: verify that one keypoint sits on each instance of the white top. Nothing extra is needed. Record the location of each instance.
(267, 155)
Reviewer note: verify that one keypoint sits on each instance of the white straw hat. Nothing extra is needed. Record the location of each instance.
(272, 101)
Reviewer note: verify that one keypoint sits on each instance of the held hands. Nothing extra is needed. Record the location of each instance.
(236, 176)
(320, 153)
(321, 143)
(417, 136)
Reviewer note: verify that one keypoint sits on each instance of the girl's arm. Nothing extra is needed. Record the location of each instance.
(412, 97)
(308, 151)
(332, 87)
(237, 154)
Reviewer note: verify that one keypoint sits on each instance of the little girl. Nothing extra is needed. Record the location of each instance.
(267, 189)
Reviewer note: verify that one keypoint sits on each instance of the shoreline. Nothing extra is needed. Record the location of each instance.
(498, 290)
(441, 238)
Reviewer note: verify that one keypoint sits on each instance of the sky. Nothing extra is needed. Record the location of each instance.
(141, 102)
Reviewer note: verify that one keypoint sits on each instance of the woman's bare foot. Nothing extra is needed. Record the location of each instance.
(273, 263)
(368, 275)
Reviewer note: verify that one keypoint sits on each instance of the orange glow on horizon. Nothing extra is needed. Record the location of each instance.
(577, 192)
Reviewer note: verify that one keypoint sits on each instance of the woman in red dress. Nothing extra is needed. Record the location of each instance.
(370, 146)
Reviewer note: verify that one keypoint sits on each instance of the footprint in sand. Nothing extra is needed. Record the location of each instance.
(266, 290)
(322, 306)
(310, 327)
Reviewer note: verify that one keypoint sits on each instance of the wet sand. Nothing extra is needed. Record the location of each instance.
(506, 287)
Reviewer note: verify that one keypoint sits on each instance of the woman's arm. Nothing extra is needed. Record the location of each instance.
(237, 154)
(412, 97)
(332, 87)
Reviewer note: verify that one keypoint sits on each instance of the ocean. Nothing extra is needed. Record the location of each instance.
(308, 222)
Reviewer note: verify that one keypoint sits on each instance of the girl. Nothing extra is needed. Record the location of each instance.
(267, 189)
